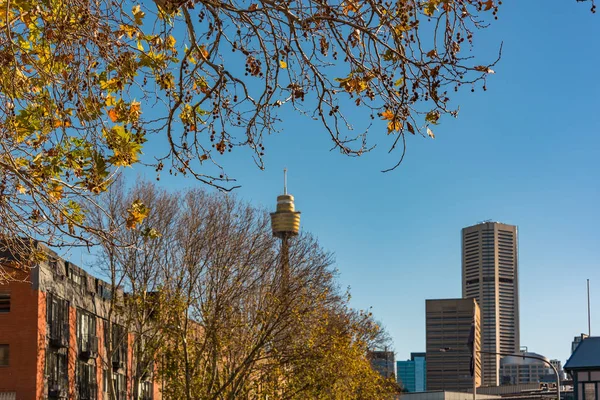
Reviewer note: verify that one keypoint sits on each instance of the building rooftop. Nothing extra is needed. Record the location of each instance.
(587, 355)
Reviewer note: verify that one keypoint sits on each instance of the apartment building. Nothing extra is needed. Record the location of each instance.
(55, 341)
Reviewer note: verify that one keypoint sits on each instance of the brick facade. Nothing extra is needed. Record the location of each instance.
(34, 339)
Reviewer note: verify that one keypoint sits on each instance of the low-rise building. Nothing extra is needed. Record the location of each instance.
(584, 368)
(54, 337)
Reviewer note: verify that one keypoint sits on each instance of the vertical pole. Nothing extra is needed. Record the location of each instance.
(589, 314)
(475, 352)
(285, 181)
(475, 376)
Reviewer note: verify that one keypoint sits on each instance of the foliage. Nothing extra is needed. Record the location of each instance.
(229, 325)
(84, 84)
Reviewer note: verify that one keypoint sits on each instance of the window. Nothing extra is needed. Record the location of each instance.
(86, 334)
(58, 321)
(86, 381)
(590, 391)
(4, 302)
(3, 355)
(56, 372)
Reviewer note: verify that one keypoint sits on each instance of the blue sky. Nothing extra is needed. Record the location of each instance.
(525, 152)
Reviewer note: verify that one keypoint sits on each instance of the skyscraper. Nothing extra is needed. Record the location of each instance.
(490, 275)
(448, 326)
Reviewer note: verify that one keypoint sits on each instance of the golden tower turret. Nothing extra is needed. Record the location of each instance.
(285, 222)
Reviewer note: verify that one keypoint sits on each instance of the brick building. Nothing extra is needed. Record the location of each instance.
(54, 337)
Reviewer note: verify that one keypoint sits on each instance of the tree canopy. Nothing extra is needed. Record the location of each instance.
(85, 84)
(208, 303)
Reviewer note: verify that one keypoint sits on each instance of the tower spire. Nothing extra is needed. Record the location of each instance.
(285, 181)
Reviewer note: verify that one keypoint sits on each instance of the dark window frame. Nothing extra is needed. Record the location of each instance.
(6, 357)
(4, 302)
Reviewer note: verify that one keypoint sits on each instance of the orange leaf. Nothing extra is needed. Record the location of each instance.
(387, 115)
(112, 114)
(252, 7)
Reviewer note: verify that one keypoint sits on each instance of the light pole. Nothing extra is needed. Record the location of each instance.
(515, 355)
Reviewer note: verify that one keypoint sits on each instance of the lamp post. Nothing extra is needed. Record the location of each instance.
(515, 355)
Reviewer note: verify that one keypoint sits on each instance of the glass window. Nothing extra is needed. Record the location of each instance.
(595, 376)
(3, 355)
(590, 391)
(4, 302)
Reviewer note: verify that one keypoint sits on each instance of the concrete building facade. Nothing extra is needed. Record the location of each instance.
(448, 327)
(54, 331)
(490, 275)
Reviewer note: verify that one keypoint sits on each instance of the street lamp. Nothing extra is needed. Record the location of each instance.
(446, 349)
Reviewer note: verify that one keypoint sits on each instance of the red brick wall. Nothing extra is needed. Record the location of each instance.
(19, 329)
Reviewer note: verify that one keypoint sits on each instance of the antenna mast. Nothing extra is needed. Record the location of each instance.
(589, 314)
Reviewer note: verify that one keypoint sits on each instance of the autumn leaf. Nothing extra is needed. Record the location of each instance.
(21, 189)
(394, 123)
(410, 127)
(430, 133)
(430, 8)
(203, 51)
(351, 6)
(136, 214)
(282, 64)
(387, 115)
(483, 68)
(252, 7)
(138, 14)
(432, 117)
(488, 5)
(112, 114)
(432, 53)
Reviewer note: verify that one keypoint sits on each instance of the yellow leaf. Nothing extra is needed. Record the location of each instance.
(430, 8)
(430, 133)
(138, 14)
(140, 46)
(21, 189)
(170, 42)
(282, 64)
(136, 214)
(110, 100)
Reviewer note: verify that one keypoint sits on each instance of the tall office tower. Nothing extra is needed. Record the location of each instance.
(490, 275)
(448, 326)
